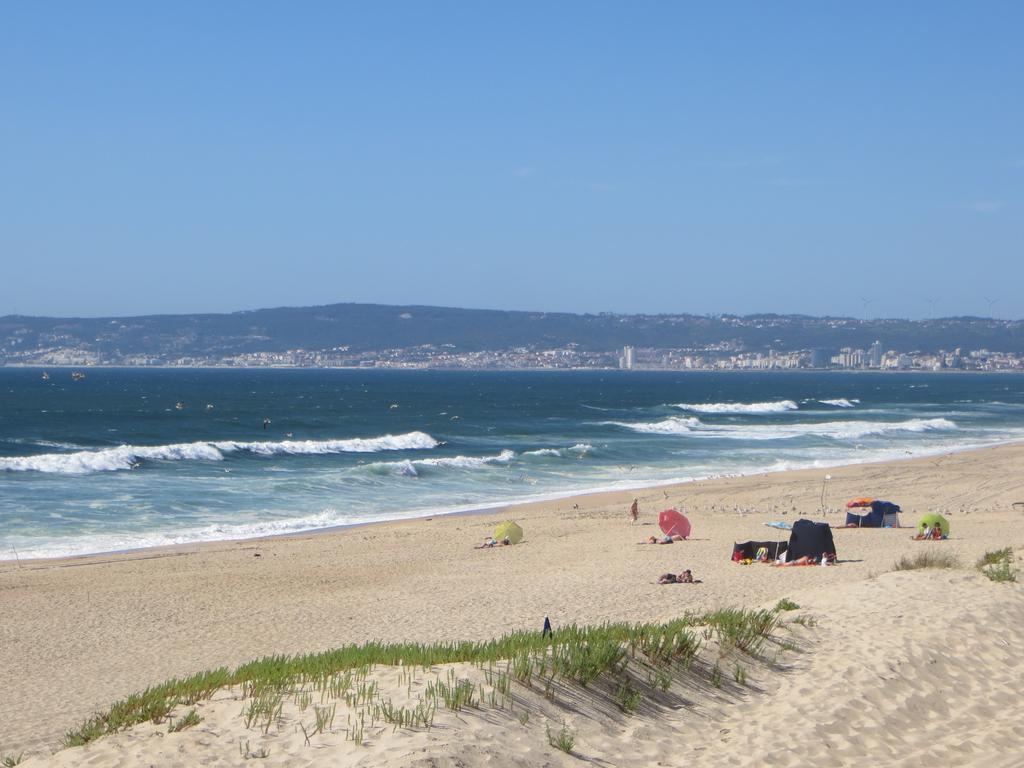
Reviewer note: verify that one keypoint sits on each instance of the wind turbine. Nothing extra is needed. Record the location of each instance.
(991, 302)
(865, 302)
(931, 307)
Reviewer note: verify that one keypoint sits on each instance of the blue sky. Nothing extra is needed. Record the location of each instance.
(823, 158)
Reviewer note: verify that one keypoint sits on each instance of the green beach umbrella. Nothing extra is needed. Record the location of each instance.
(508, 530)
(931, 521)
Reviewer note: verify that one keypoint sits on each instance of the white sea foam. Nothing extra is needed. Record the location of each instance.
(776, 406)
(836, 430)
(544, 452)
(408, 441)
(128, 456)
(467, 462)
(832, 429)
(108, 459)
(408, 467)
(841, 402)
(673, 425)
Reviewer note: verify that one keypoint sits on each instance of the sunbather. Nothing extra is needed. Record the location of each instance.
(805, 560)
(930, 533)
(672, 578)
(492, 542)
(663, 539)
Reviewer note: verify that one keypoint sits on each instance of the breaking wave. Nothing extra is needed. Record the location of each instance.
(841, 402)
(129, 456)
(836, 430)
(578, 450)
(408, 467)
(408, 441)
(832, 429)
(673, 425)
(777, 406)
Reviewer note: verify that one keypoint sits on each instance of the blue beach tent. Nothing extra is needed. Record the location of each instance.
(883, 514)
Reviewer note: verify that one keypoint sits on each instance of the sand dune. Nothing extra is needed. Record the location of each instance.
(907, 668)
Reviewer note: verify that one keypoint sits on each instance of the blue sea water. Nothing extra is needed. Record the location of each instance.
(131, 458)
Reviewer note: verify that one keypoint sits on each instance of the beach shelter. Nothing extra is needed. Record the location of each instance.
(862, 501)
(883, 514)
(810, 539)
(674, 523)
(508, 530)
(930, 521)
(747, 550)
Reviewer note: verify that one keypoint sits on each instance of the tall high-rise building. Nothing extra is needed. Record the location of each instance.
(875, 355)
(627, 360)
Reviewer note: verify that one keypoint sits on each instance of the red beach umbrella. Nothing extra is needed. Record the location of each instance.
(863, 501)
(674, 523)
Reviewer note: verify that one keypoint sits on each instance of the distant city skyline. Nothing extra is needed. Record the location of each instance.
(864, 161)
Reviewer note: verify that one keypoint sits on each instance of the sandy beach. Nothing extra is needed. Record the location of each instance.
(898, 668)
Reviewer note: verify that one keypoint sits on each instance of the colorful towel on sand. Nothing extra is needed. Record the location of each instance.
(780, 524)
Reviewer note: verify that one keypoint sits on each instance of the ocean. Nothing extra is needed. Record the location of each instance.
(134, 458)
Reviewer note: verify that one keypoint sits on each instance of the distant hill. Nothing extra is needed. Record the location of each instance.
(363, 327)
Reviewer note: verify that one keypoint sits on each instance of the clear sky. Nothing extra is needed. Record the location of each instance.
(864, 159)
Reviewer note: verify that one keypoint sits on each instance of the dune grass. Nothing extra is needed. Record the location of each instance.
(927, 559)
(996, 565)
(562, 739)
(571, 655)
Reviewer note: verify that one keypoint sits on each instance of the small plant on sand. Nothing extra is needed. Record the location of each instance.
(563, 739)
(524, 718)
(627, 697)
(996, 565)
(785, 604)
(739, 674)
(995, 557)
(247, 753)
(9, 761)
(929, 559)
(191, 718)
(716, 676)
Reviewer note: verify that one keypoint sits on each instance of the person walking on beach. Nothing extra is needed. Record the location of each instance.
(633, 511)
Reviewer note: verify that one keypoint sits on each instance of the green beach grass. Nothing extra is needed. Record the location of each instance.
(635, 660)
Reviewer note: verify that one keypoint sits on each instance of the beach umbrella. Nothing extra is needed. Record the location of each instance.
(674, 523)
(863, 501)
(931, 521)
(508, 530)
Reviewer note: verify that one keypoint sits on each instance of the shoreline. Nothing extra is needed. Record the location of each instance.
(490, 508)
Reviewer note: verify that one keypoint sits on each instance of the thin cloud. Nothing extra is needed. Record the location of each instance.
(788, 182)
(524, 172)
(745, 163)
(986, 206)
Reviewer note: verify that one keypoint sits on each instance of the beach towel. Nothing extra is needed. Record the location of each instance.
(780, 524)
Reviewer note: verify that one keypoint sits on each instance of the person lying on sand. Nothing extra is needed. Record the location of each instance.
(827, 559)
(491, 542)
(682, 578)
(805, 560)
(662, 540)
